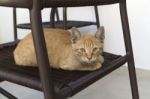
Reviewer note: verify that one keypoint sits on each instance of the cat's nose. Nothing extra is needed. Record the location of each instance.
(89, 57)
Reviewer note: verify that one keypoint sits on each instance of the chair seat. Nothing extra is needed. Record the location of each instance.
(66, 83)
(16, 3)
(56, 3)
(73, 3)
(59, 24)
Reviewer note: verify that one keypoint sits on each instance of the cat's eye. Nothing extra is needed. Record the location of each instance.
(101, 48)
(95, 49)
(82, 50)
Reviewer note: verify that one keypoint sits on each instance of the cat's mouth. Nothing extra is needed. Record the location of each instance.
(88, 61)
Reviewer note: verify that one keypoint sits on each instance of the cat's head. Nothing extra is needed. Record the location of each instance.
(87, 48)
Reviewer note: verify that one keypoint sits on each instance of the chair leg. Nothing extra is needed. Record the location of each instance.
(41, 51)
(65, 17)
(15, 24)
(57, 15)
(130, 60)
(97, 16)
(52, 17)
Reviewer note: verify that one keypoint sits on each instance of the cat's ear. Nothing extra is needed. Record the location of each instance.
(100, 34)
(75, 34)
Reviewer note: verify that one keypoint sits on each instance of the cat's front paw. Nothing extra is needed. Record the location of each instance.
(67, 67)
(97, 67)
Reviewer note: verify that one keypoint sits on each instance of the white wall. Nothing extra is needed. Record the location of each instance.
(5, 24)
(139, 19)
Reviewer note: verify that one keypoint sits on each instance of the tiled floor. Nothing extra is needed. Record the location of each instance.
(114, 86)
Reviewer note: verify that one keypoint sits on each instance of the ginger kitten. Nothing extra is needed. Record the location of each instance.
(66, 50)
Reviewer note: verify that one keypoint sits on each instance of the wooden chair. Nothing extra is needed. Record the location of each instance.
(60, 84)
